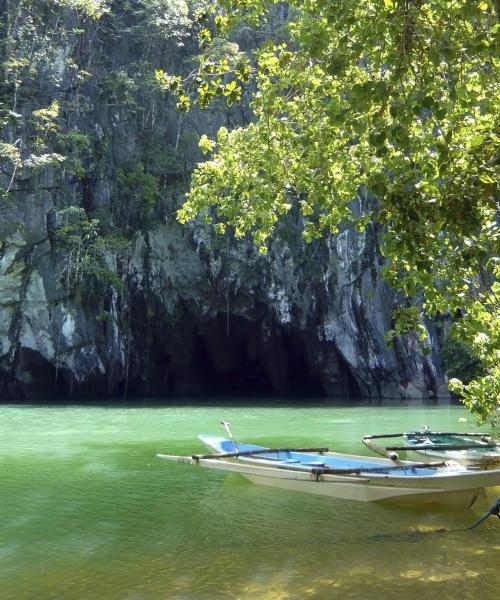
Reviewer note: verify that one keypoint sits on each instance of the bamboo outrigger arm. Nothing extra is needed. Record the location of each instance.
(441, 447)
(367, 441)
(482, 435)
(260, 451)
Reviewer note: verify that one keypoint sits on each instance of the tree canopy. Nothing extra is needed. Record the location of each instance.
(393, 98)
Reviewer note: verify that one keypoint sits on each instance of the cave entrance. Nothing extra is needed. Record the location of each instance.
(248, 361)
(347, 386)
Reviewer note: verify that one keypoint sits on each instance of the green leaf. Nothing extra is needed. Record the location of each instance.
(477, 140)
(206, 145)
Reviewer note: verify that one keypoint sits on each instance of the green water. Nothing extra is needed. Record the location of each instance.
(88, 512)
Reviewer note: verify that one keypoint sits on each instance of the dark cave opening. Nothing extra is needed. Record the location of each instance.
(37, 379)
(349, 387)
(243, 359)
(239, 361)
(231, 360)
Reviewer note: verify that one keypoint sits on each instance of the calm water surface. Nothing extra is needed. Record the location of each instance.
(88, 512)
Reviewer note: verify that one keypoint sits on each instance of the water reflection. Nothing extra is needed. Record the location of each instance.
(87, 512)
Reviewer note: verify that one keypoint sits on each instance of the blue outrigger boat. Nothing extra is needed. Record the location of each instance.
(352, 477)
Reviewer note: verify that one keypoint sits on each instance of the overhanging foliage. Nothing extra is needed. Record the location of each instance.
(395, 97)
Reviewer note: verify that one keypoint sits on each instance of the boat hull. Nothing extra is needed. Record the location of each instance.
(363, 493)
(456, 488)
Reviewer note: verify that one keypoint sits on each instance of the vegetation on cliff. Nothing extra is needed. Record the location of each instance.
(48, 90)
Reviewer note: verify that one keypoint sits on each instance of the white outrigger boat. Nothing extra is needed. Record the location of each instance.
(477, 450)
(319, 471)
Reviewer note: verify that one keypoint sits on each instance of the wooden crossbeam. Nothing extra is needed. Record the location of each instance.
(259, 451)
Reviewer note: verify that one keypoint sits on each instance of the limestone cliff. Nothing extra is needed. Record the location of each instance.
(102, 292)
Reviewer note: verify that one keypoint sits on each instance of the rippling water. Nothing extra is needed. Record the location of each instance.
(88, 512)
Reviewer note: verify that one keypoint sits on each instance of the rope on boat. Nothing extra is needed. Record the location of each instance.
(416, 535)
(494, 511)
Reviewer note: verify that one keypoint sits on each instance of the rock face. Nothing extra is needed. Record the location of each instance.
(174, 311)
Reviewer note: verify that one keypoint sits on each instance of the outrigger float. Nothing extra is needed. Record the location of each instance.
(477, 450)
(351, 477)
